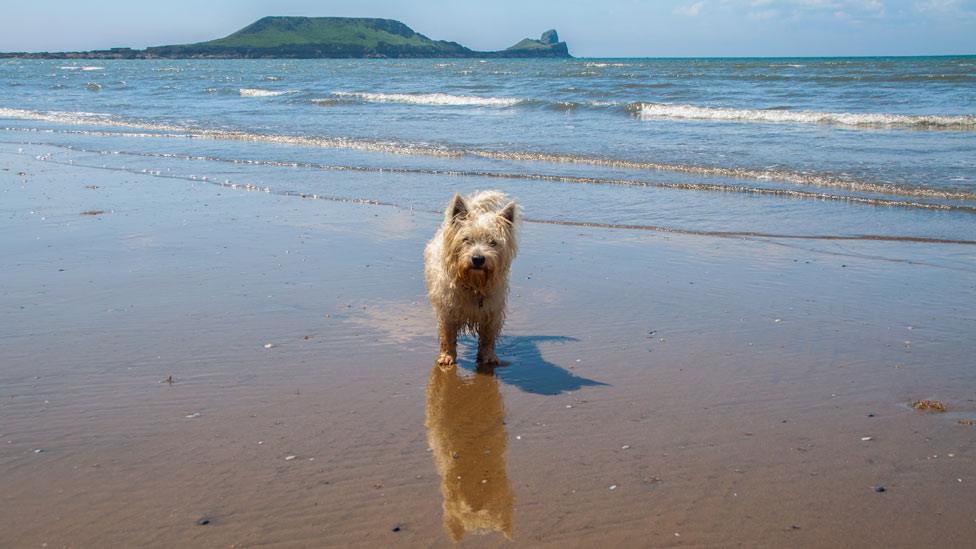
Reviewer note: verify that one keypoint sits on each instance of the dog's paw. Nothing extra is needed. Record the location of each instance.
(445, 359)
(488, 358)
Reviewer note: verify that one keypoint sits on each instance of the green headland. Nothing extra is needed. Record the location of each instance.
(320, 37)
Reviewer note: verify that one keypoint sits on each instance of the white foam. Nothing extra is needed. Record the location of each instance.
(605, 65)
(438, 99)
(257, 92)
(78, 118)
(652, 111)
(366, 145)
(81, 68)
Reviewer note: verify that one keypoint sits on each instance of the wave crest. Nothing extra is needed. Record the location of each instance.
(257, 92)
(437, 99)
(656, 111)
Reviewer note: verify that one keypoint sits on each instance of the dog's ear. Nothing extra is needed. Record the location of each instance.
(508, 212)
(456, 210)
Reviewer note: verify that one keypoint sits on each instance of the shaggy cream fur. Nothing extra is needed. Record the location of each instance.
(466, 265)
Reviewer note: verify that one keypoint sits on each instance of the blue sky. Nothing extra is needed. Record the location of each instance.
(618, 28)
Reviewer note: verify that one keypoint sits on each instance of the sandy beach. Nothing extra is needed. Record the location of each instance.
(187, 365)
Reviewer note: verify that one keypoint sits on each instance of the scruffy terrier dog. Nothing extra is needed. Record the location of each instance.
(466, 266)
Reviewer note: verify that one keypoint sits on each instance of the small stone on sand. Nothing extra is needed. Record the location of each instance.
(268, 345)
(289, 458)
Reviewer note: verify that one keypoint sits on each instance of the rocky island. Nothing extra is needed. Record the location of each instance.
(319, 37)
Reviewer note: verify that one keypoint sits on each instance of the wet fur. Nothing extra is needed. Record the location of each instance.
(466, 298)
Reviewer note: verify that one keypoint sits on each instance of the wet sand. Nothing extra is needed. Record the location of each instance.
(660, 390)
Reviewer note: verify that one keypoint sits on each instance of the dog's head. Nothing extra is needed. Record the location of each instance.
(480, 240)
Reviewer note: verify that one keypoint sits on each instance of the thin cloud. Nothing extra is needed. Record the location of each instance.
(691, 10)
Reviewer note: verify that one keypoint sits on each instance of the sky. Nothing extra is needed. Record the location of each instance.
(605, 28)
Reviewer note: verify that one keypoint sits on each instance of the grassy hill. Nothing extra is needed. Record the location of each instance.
(272, 32)
(314, 37)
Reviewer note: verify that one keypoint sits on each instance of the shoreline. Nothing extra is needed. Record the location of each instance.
(741, 376)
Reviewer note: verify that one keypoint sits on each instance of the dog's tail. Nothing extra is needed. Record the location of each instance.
(486, 201)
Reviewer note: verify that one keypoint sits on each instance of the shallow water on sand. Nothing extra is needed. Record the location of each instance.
(875, 147)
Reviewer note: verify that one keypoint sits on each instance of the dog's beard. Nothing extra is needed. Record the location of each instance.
(480, 281)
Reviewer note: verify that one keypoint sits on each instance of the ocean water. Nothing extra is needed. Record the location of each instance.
(827, 149)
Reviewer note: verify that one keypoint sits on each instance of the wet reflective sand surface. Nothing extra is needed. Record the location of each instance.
(203, 366)
(466, 432)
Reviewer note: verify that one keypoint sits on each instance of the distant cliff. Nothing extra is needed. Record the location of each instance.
(319, 37)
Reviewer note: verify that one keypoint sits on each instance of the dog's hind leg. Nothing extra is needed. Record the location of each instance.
(448, 338)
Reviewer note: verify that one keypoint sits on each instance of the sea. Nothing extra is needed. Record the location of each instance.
(816, 149)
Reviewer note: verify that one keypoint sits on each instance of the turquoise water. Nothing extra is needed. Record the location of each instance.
(825, 148)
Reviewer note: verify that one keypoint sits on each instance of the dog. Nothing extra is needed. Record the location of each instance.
(466, 265)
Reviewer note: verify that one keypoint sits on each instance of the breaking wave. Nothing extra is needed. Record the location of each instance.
(812, 179)
(436, 99)
(655, 111)
(257, 92)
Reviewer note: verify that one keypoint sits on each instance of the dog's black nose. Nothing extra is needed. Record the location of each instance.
(478, 260)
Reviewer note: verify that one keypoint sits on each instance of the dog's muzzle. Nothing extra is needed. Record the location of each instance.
(478, 261)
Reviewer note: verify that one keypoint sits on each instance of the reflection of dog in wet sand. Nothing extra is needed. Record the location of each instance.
(466, 432)
(466, 266)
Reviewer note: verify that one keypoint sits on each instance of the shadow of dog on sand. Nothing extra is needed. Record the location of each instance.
(525, 368)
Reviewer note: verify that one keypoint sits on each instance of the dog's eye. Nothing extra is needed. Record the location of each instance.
(466, 240)
(492, 243)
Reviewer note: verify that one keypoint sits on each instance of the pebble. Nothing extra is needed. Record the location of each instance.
(39, 451)
(268, 345)
(625, 447)
(289, 458)
(193, 415)
(203, 522)
(865, 439)
(613, 486)
(397, 528)
(880, 489)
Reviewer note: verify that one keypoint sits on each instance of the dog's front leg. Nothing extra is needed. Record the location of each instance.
(487, 333)
(448, 337)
